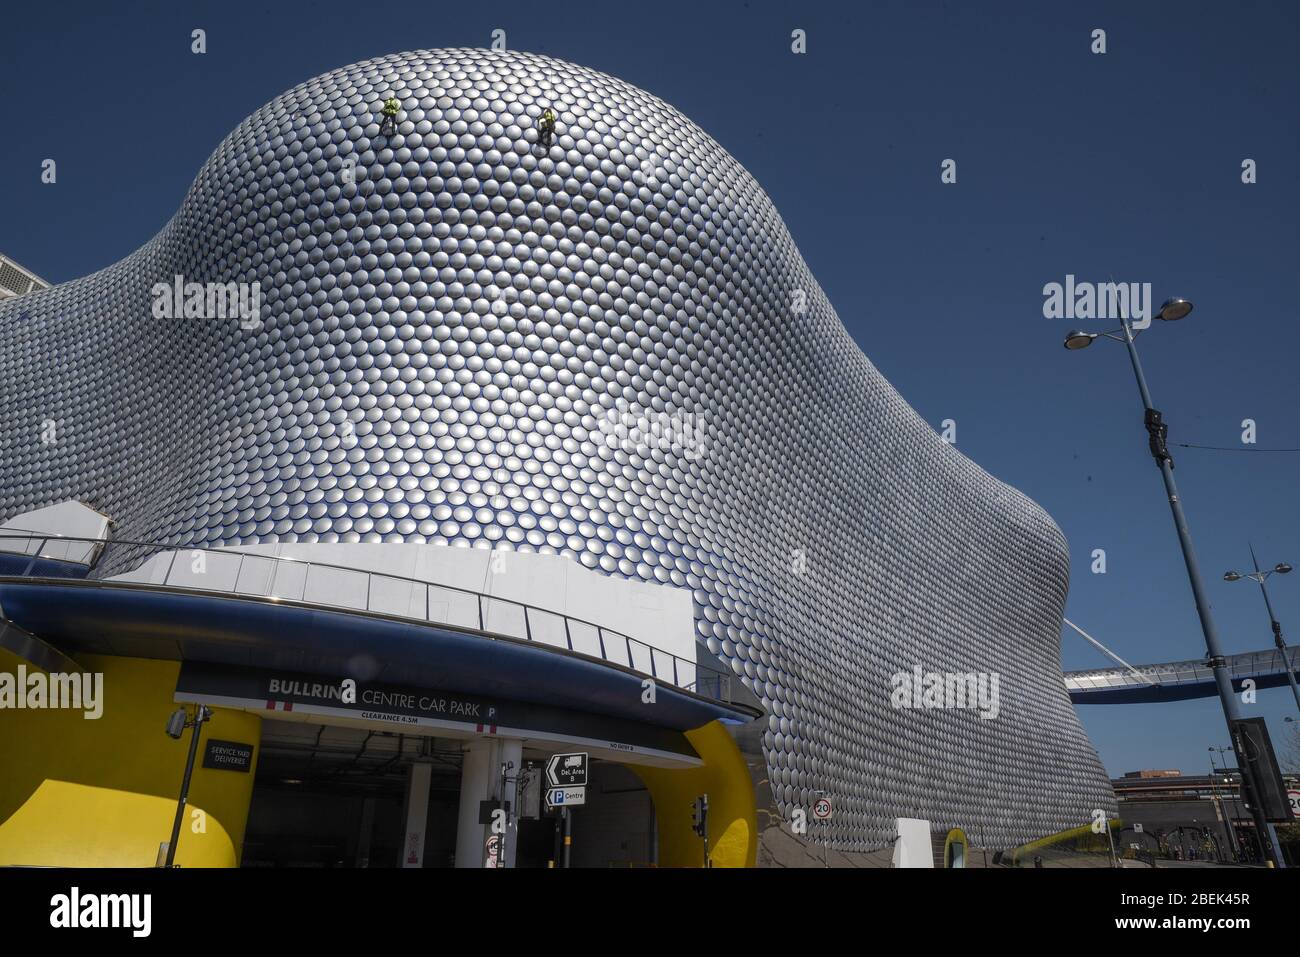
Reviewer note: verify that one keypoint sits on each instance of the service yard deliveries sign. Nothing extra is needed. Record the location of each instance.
(228, 756)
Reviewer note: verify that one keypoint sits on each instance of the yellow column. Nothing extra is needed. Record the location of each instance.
(733, 815)
(78, 792)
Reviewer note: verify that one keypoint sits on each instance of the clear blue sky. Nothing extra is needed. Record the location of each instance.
(1125, 164)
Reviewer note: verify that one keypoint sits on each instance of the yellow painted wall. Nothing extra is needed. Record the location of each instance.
(733, 815)
(102, 793)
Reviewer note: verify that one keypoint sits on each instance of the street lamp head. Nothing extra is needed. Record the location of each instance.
(1079, 340)
(1174, 309)
(1231, 577)
(1282, 568)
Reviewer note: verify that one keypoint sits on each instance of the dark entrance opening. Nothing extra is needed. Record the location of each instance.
(330, 796)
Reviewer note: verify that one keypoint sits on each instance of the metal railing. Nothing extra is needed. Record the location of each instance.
(283, 578)
(88, 555)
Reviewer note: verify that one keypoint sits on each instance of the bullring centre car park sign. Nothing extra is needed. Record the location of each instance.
(422, 707)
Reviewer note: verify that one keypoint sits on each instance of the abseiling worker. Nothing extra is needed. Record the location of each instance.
(546, 127)
(392, 106)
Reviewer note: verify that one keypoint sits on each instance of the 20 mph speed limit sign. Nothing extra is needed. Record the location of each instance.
(1293, 795)
(822, 810)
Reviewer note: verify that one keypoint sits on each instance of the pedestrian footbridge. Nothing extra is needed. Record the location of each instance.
(1177, 680)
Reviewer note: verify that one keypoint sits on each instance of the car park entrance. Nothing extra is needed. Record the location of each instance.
(329, 795)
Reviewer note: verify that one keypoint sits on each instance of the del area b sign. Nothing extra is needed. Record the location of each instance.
(567, 770)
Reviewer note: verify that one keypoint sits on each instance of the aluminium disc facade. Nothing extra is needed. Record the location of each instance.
(453, 316)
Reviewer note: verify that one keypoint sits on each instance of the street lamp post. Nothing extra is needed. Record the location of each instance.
(1157, 433)
(1281, 568)
(176, 726)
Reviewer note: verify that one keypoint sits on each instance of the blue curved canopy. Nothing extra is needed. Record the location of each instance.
(146, 621)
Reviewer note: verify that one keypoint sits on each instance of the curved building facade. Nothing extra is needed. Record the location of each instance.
(604, 346)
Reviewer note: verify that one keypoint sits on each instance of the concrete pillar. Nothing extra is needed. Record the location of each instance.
(417, 813)
(475, 784)
(367, 832)
(480, 780)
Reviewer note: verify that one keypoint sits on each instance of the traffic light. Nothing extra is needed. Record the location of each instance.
(1250, 736)
(700, 815)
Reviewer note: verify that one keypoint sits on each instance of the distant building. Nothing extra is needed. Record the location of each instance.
(17, 281)
(1175, 773)
(1165, 814)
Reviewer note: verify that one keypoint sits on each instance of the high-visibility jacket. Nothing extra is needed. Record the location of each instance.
(392, 107)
